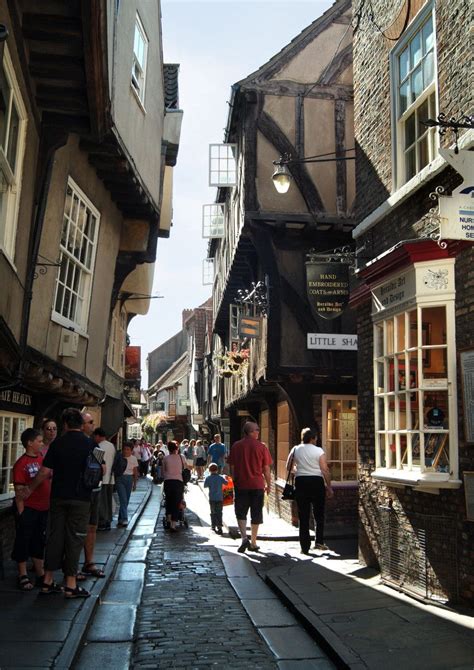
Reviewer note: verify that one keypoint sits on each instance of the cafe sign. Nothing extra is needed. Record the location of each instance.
(327, 287)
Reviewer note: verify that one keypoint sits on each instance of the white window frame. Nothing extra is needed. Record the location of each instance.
(213, 220)
(139, 70)
(79, 324)
(14, 448)
(350, 398)
(222, 165)
(389, 467)
(10, 182)
(398, 119)
(208, 269)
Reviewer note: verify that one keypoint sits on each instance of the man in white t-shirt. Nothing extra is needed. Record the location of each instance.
(108, 480)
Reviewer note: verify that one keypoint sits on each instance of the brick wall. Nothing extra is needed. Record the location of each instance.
(374, 184)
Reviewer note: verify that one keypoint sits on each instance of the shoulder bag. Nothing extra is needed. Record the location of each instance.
(289, 490)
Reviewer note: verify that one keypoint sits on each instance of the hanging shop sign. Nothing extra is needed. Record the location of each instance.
(327, 287)
(249, 327)
(456, 211)
(332, 341)
(131, 389)
(132, 362)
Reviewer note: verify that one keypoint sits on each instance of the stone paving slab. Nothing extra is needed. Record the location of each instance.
(113, 623)
(250, 587)
(127, 571)
(114, 655)
(268, 612)
(33, 655)
(307, 664)
(291, 643)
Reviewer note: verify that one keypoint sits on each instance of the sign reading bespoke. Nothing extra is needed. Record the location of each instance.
(332, 341)
(327, 288)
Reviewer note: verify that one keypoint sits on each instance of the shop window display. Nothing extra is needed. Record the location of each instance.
(412, 404)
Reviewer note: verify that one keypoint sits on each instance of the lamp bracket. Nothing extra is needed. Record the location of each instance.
(455, 125)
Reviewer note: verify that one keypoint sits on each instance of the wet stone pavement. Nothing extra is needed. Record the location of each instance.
(190, 616)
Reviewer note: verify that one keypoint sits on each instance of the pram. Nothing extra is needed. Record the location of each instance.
(182, 520)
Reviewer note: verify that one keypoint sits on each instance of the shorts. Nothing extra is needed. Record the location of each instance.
(30, 538)
(249, 498)
(200, 461)
(94, 516)
(190, 462)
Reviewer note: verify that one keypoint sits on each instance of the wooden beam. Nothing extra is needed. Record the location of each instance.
(51, 27)
(49, 66)
(274, 134)
(94, 22)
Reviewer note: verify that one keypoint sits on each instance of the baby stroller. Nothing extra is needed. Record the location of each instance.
(182, 520)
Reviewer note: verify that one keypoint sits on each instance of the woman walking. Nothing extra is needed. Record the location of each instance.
(173, 465)
(126, 483)
(200, 460)
(312, 486)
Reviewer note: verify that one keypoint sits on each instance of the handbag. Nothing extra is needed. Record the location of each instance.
(185, 473)
(289, 490)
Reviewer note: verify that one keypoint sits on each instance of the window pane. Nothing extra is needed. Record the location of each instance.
(378, 340)
(4, 102)
(416, 83)
(349, 472)
(400, 332)
(415, 50)
(410, 131)
(404, 96)
(13, 137)
(335, 471)
(389, 336)
(428, 70)
(422, 115)
(423, 152)
(434, 325)
(413, 335)
(410, 164)
(427, 36)
(404, 64)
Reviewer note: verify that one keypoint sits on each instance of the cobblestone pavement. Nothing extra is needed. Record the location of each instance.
(189, 616)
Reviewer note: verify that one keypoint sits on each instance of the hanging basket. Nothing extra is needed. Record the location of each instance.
(226, 373)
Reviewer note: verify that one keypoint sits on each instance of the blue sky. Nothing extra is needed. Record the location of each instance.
(216, 43)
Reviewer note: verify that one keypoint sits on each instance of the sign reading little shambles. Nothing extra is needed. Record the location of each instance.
(327, 288)
(332, 341)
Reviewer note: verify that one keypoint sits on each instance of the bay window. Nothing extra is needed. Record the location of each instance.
(415, 376)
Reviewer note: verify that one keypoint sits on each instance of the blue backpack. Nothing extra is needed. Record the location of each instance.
(92, 474)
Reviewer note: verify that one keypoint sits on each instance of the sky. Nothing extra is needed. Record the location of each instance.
(216, 43)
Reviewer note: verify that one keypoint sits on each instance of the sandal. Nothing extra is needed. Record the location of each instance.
(78, 592)
(24, 583)
(92, 570)
(47, 589)
(81, 577)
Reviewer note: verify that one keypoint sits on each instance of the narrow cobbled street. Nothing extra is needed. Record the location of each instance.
(191, 617)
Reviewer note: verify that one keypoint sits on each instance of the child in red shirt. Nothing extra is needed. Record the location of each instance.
(31, 514)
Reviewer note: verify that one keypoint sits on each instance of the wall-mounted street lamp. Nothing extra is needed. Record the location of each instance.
(282, 176)
(444, 124)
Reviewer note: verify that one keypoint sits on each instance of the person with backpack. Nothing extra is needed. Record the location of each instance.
(68, 458)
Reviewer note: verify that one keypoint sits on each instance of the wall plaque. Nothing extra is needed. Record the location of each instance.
(327, 288)
(466, 359)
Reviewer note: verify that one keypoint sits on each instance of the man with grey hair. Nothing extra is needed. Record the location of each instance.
(250, 461)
